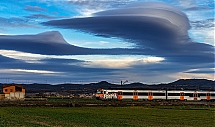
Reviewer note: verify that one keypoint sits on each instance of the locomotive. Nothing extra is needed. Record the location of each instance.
(150, 95)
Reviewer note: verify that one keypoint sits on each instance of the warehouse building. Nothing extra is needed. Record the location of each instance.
(13, 92)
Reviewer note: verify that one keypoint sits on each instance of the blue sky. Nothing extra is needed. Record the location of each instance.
(82, 41)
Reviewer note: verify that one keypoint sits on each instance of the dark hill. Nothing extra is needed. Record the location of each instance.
(194, 84)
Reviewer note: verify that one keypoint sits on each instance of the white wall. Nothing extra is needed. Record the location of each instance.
(15, 95)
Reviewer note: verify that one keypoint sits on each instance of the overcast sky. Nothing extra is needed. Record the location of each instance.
(83, 41)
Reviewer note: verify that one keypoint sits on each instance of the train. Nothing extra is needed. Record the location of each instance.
(155, 95)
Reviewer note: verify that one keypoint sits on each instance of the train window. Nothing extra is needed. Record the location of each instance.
(159, 94)
(127, 93)
(173, 94)
(187, 94)
(213, 94)
(201, 94)
(143, 93)
(208, 94)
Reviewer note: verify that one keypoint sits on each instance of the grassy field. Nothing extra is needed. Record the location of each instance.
(59, 99)
(107, 117)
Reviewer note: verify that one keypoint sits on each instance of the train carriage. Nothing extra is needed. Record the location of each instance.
(150, 95)
(189, 95)
(207, 95)
(121, 94)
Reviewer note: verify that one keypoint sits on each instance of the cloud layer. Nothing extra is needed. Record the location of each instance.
(162, 47)
(45, 43)
(155, 28)
(146, 24)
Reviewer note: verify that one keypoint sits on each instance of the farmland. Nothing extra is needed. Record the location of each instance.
(136, 116)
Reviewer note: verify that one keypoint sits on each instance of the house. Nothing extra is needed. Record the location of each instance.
(13, 92)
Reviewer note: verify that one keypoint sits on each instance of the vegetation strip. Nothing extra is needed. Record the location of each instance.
(168, 116)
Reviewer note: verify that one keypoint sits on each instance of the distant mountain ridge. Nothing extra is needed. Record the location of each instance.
(194, 84)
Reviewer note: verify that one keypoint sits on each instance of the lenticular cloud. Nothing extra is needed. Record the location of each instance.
(148, 25)
(156, 10)
(155, 28)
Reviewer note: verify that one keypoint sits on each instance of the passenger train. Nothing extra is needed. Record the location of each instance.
(168, 95)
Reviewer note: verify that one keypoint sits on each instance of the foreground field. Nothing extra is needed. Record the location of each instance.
(107, 116)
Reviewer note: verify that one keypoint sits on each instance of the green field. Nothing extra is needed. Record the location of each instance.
(59, 99)
(107, 116)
